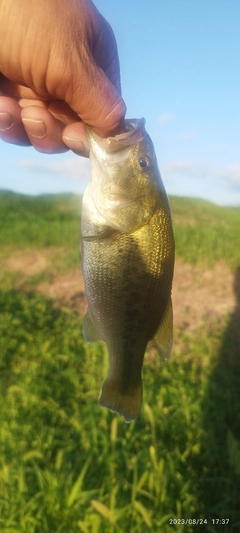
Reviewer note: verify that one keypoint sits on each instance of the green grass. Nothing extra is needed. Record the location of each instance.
(67, 465)
(70, 466)
(46, 220)
(205, 233)
(43, 222)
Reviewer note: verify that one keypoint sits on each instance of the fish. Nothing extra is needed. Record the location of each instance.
(127, 254)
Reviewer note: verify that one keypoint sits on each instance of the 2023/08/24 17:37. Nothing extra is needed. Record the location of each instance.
(198, 521)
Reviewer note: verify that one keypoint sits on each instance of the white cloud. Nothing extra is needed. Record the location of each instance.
(203, 170)
(72, 168)
(232, 175)
(191, 169)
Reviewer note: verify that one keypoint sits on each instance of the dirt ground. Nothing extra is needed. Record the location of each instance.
(200, 296)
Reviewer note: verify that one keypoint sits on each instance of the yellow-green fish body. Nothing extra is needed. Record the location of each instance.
(127, 261)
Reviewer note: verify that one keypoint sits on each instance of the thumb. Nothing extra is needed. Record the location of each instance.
(96, 101)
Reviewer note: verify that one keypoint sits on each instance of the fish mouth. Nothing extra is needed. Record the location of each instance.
(133, 134)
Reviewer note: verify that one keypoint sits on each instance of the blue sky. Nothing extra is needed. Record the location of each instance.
(180, 70)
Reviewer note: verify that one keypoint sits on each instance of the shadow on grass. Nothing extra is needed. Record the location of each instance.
(172, 462)
(220, 481)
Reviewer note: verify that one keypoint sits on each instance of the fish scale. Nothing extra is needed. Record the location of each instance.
(127, 262)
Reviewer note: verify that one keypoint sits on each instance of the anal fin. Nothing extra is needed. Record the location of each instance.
(89, 328)
(162, 340)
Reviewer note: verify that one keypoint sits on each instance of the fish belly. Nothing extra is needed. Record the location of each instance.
(128, 281)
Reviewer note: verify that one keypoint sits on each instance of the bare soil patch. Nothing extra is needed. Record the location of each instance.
(27, 262)
(200, 296)
(67, 290)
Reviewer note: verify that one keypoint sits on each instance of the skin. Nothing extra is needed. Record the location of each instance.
(59, 69)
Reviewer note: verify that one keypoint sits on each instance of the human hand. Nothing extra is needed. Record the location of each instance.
(58, 69)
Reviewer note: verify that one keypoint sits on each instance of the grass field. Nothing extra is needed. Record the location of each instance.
(69, 466)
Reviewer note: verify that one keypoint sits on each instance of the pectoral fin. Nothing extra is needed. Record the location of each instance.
(89, 328)
(103, 233)
(163, 339)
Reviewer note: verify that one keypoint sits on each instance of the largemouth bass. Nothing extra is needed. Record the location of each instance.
(127, 261)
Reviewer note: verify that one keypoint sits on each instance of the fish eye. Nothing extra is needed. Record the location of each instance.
(144, 163)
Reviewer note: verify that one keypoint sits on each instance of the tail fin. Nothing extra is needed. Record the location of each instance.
(126, 404)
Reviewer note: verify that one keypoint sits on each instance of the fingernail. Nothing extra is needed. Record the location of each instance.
(35, 128)
(76, 145)
(6, 121)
